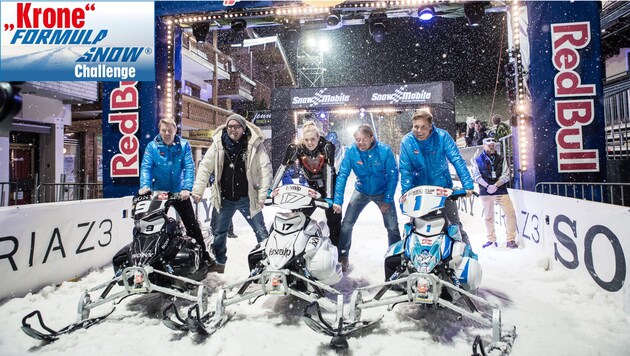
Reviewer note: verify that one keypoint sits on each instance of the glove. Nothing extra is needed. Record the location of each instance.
(492, 189)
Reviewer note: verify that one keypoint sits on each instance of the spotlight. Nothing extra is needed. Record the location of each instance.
(238, 25)
(292, 34)
(200, 31)
(474, 12)
(377, 25)
(322, 115)
(332, 20)
(426, 13)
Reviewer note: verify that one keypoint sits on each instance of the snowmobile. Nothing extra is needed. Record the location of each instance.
(160, 258)
(297, 259)
(430, 266)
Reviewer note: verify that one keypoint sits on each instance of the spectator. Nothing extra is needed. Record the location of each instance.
(167, 165)
(479, 134)
(460, 135)
(499, 129)
(374, 165)
(470, 130)
(424, 156)
(241, 165)
(491, 172)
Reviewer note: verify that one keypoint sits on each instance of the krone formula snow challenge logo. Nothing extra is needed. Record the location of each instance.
(67, 41)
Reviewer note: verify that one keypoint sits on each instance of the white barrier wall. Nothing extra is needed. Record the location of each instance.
(592, 239)
(44, 244)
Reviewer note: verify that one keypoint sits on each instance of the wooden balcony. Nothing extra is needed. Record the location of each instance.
(238, 88)
(198, 59)
(200, 115)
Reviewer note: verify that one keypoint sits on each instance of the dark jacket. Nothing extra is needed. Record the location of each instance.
(484, 165)
(317, 166)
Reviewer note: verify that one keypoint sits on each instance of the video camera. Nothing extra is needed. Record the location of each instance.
(10, 105)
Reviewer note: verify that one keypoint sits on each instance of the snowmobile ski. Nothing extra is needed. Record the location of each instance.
(52, 335)
(341, 332)
(195, 321)
(503, 347)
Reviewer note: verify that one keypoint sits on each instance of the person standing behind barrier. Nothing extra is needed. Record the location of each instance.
(316, 159)
(167, 165)
(479, 134)
(470, 131)
(242, 169)
(499, 129)
(374, 165)
(424, 156)
(491, 172)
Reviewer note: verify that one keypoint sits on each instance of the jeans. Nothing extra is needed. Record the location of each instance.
(452, 214)
(213, 223)
(358, 201)
(224, 219)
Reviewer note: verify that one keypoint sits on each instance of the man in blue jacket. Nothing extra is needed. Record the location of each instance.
(424, 156)
(168, 165)
(374, 165)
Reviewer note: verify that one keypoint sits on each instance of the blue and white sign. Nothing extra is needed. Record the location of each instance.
(70, 41)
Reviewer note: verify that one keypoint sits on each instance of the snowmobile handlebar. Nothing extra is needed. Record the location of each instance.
(460, 193)
(295, 196)
(171, 196)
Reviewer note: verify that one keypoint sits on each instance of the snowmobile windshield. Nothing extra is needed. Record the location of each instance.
(144, 248)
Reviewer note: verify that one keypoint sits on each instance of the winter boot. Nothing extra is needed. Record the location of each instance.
(511, 244)
(345, 264)
(217, 267)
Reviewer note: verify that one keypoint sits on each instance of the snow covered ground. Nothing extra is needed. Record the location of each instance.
(554, 313)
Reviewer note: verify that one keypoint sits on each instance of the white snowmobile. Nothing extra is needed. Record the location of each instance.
(297, 259)
(431, 265)
(160, 258)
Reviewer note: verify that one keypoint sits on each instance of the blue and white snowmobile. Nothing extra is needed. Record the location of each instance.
(297, 259)
(431, 265)
(160, 258)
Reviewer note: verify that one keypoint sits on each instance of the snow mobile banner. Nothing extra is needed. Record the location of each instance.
(566, 86)
(77, 41)
(383, 95)
(46, 244)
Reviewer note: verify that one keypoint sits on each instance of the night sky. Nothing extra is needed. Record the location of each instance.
(446, 49)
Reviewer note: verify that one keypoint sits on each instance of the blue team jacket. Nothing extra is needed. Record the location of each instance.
(426, 162)
(168, 168)
(376, 171)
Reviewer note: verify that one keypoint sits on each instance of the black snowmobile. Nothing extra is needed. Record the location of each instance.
(160, 258)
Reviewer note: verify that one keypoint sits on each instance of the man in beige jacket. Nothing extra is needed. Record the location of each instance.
(242, 170)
